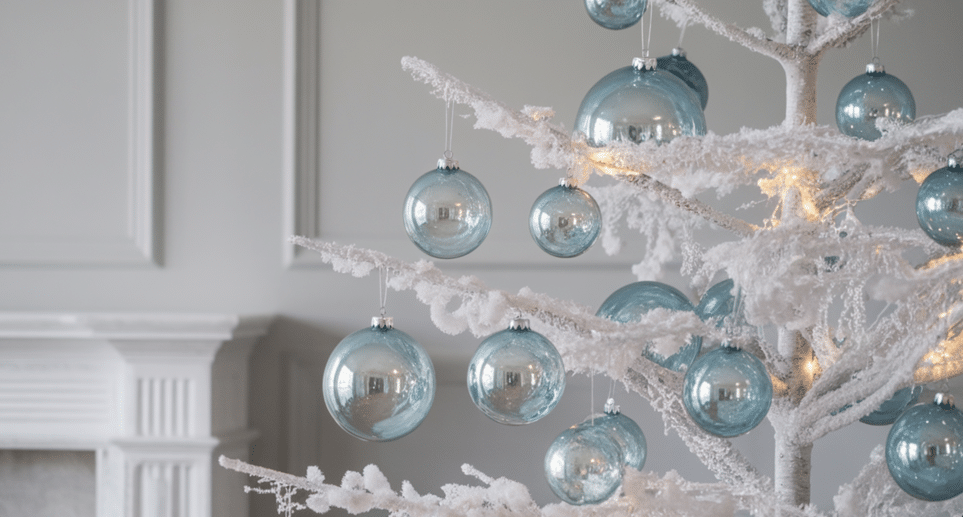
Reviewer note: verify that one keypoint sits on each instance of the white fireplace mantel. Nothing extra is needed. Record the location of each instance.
(157, 396)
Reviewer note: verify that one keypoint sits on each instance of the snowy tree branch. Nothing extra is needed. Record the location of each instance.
(688, 11)
(841, 30)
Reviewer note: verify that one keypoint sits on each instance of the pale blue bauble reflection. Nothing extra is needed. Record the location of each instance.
(584, 464)
(625, 432)
(378, 383)
(924, 451)
(871, 96)
(447, 213)
(516, 376)
(847, 8)
(633, 105)
(616, 14)
(939, 206)
(889, 411)
(678, 65)
(565, 221)
(727, 391)
(629, 303)
(717, 303)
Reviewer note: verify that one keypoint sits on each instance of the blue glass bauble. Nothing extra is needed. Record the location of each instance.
(873, 95)
(717, 303)
(626, 433)
(679, 66)
(633, 104)
(939, 205)
(847, 8)
(379, 383)
(629, 303)
(924, 450)
(727, 391)
(616, 14)
(565, 220)
(584, 464)
(889, 411)
(447, 212)
(516, 376)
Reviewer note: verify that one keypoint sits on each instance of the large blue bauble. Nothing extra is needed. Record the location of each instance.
(924, 450)
(889, 411)
(718, 302)
(516, 376)
(626, 433)
(447, 213)
(629, 303)
(939, 206)
(847, 8)
(379, 383)
(727, 391)
(870, 96)
(565, 221)
(616, 14)
(584, 464)
(634, 105)
(679, 66)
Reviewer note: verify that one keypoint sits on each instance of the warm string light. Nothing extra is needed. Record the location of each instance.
(786, 180)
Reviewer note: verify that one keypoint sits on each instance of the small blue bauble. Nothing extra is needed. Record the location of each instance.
(939, 204)
(727, 391)
(924, 450)
(565, 220)
(629, 303)
(847, 8)
(516, 376)
(584, 464)
(616, 14)
(873, 95)
(718, 302)
(447, 212)
(626, 433)
(889, 411)
(379, 383)
(679, 66)
(636, 104)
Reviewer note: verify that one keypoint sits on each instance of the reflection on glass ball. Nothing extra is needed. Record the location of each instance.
(616, 14)
(939, 206)
(871, 96)
(847, 8)
(924, 450)
(584, 464)
(629, 303)
(624, 431)
(718, 302)
(516, 376)
(889, 411)
(379, 383)
(636, 105)
(681, 67)
(727, 391)
(447, 212)
(565, 220)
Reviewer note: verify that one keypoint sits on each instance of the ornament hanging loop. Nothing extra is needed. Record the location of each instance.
(383, 290)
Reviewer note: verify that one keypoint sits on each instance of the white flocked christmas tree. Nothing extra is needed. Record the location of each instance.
(825, 347)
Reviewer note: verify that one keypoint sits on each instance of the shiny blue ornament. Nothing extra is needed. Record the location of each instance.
(889, 411)
(924, 450)
(847, 8)
(378, 383)
(516, 376)
(447, 212)
(727, 391)
(616, 14)
(638, 103)
(939, 203)
(584, 464)
(718, 302)
(629, 303)
(679, 66)
(565, 220)
(626, 433)
(873, 95)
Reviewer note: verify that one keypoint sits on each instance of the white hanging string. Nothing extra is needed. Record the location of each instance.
(646, 41)
(383, 289)
(682, 33)
(592, 396)
(874, 39)
(449, 125)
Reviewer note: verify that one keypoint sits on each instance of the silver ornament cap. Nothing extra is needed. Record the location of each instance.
(944, 400)
(447, 163)
(519, 324)
(383, 322)
(568, 182)
(875, 68)
(678, 52)
(641, 64)
(955, 160)
(611, 408)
